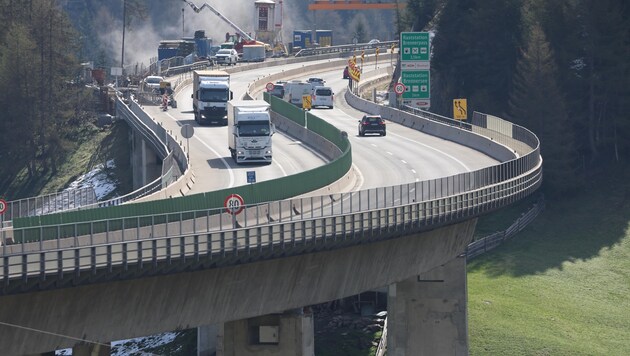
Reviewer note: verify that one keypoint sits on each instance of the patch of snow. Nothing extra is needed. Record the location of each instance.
(135, 346)
(97, 178)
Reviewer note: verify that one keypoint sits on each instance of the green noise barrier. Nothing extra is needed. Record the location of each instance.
(111, 218)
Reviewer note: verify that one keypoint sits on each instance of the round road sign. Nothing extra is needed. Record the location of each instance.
(234, 204)
(399, 88)
(3, 206)
(269, 86)
(187, 131)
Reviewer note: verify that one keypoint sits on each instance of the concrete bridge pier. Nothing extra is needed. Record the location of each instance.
(427, 313)
(91, 350)
(145, 163)
(289, 333)
(210, 340)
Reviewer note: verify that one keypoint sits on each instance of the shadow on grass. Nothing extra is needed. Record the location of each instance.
(572, 228)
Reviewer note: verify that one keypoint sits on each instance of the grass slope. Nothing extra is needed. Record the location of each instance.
(562, 287)
(91, 146)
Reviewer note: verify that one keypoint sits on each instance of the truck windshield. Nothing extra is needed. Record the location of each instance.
(213, 95)
(253, 128)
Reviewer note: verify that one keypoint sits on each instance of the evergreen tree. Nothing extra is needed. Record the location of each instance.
(591, 40)
(474, 54)
(17, 83)
(536, 102)
(419, 14)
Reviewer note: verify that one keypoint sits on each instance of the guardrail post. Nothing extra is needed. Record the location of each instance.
(154, 253)
(93, 260)
(222, 243)
(196, 248)
(5, 270)
(109, 258)
(124, 257)
(59, 266)
(168, 251)
(77, 264)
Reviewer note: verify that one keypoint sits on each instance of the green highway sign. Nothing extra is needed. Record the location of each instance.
(417, 84)
(414, 46)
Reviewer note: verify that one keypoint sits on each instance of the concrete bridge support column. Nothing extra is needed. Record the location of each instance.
(290, 333)
(91, 350)
(210, 340)
(144, 162)
(427, 313)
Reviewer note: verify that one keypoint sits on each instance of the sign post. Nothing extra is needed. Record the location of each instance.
(187, 132)
(306, 106)
(251, 177)
(234, 204)
(116, 72)
(460, 109)
(417, 88)
(415, 56)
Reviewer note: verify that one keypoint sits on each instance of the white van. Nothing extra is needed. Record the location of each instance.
(322, 96)
(295, 90)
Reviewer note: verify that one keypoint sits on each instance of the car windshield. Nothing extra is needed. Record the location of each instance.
(213, 95)
(277, 90)
(224, 51)
(373, 120)
(253, 128)
(324, 92)
(154, 80)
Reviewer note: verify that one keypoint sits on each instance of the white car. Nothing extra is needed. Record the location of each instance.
(374, 42)
(227, 56)
(322, 96)
(152, 83)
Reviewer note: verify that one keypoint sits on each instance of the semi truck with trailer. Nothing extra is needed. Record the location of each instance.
(249, 131)
(211, 92)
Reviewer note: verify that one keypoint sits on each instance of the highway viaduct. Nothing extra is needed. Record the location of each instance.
(414, 249)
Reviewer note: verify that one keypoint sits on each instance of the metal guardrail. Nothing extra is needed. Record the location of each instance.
(369, 48)
(493, 241)
(50, 203)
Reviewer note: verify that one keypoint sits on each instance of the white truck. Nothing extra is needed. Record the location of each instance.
(249, 131)
(211, 92)
(295, 90)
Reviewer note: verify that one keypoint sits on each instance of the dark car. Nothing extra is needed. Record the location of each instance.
(372, 124)
(278, 90)
(316, 81)
(346, 73)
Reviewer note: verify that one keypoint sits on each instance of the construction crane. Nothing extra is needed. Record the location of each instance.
(245, 38)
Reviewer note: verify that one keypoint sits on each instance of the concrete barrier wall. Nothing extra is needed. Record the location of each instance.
(461, 136)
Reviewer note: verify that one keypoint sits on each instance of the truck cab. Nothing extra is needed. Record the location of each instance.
(249, 131)
(211, 92)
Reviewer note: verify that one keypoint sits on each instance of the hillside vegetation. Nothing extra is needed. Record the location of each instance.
(562, 286)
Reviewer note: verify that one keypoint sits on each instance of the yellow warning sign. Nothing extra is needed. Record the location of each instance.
(306, 102)
(460, 110)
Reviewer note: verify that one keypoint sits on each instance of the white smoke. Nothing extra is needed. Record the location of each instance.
(142, 38)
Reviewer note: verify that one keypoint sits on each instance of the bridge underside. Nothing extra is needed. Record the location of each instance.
(113, 311)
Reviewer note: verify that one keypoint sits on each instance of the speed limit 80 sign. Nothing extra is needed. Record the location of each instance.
(3, 206)
(234, 204)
